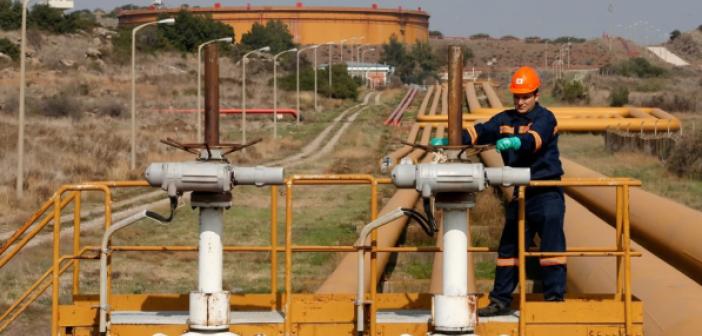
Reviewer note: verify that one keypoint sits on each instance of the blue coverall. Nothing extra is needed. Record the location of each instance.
(545, 207)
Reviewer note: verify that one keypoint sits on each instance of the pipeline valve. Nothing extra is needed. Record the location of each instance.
(179, 177)
(432, 178)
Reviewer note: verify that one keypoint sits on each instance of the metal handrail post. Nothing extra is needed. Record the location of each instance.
(288, 257)
(619, 240)
(274, 246)
(627, 262)
(55, 272)
(522, 261)
(76, 243)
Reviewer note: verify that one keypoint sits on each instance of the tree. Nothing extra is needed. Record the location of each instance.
(414, 66)
(441, 54)
(10, 15)
(436, 34)
(394, 52)
(191, 30)
(274, 34)
(48, 19)
(424, 62)
(54, 20)
(675, 34)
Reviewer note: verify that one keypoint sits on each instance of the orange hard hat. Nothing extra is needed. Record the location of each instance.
(524, 80)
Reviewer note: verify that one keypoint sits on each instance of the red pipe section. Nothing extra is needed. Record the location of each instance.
(281, 111)
(399, 111)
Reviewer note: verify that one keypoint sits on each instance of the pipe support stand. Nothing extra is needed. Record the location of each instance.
(209, 305)
(455, 310)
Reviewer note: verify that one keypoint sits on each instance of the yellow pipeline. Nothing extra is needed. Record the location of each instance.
(581, 125)
(588, 112)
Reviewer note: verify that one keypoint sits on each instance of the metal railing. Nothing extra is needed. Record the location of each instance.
(61, 264)
(622, 251)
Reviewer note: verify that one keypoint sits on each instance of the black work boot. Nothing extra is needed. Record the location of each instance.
(494, 309)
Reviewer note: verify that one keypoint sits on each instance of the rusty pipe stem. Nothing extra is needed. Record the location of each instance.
(455, 97)
(211, 95)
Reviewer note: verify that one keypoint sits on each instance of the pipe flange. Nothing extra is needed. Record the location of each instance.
(211, 200)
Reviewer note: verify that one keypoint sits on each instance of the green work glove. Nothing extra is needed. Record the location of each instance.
(439, 141)
(508, 143)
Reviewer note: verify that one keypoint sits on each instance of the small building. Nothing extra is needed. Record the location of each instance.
(60, 4)
(376, 75)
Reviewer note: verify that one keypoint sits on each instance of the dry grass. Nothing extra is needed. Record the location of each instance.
(246, 223)
(95, 146)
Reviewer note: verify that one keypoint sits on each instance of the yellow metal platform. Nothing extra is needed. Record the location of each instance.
(288, 313)
(333, 314)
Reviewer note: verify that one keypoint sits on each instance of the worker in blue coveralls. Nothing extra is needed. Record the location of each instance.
(527, 136)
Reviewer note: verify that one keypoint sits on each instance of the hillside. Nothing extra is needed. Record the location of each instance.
(688, 46)
(78, 115)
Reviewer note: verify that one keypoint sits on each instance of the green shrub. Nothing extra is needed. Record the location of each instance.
(60, 105)
(566, 39)
(10, 49)
(569, 90)
(675, 34)
(343, 85)
(619, 96)
(634, 67)
(480, 36)
(670, 101)
(509, 38)
(686, 157)
(113, 109)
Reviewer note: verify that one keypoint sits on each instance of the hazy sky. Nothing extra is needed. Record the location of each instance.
(646, 21)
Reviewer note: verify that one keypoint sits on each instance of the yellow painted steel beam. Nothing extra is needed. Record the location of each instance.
(333, 314)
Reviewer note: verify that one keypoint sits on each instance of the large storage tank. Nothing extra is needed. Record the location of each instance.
(311, 25)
